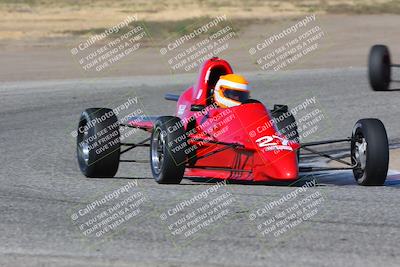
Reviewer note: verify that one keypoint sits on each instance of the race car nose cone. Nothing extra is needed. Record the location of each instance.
(277, 166)
(288, 172)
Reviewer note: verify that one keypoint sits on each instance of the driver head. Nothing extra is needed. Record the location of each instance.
(231, 90)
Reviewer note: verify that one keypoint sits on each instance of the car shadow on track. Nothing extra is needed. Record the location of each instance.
(346, 178)
(297, 183)
(131, 178)
(322, 179)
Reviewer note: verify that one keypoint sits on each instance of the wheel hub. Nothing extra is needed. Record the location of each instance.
(85, 147)
(157, 151)
(361, 153)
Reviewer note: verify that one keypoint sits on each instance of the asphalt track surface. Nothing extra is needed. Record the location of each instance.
(41, 185)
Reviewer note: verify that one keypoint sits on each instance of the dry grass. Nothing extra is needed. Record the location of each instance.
(36, 19)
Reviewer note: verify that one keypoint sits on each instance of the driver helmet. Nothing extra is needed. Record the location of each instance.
(231, 90)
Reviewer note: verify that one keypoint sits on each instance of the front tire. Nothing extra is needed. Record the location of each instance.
(285, 122)
(379, 68)
(167, 150)
(98, 143)
(370, 152)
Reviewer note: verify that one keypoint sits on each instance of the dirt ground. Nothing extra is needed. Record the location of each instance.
(34, 19)
(347, 41)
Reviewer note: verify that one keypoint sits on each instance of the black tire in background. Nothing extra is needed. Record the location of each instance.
(167, 150)
(287, 126)
(285, 122)
(379, 71)
(370, 151)
(98, 143)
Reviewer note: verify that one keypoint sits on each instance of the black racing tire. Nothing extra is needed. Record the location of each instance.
(98, 143)
(167, 150)
(370, 151)
(286, 126)
(379, 70)
(285, 122)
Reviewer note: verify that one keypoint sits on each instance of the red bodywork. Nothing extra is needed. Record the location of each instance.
(245, 144)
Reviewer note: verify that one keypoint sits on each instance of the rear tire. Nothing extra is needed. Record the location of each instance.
(370, 151)
(379, 68)
(167, 150)
(288, 125)
(98, 143)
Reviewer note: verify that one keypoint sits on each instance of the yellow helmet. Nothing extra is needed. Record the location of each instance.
(231, 90)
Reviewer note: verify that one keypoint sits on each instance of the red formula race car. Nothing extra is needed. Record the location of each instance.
(245, 142)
